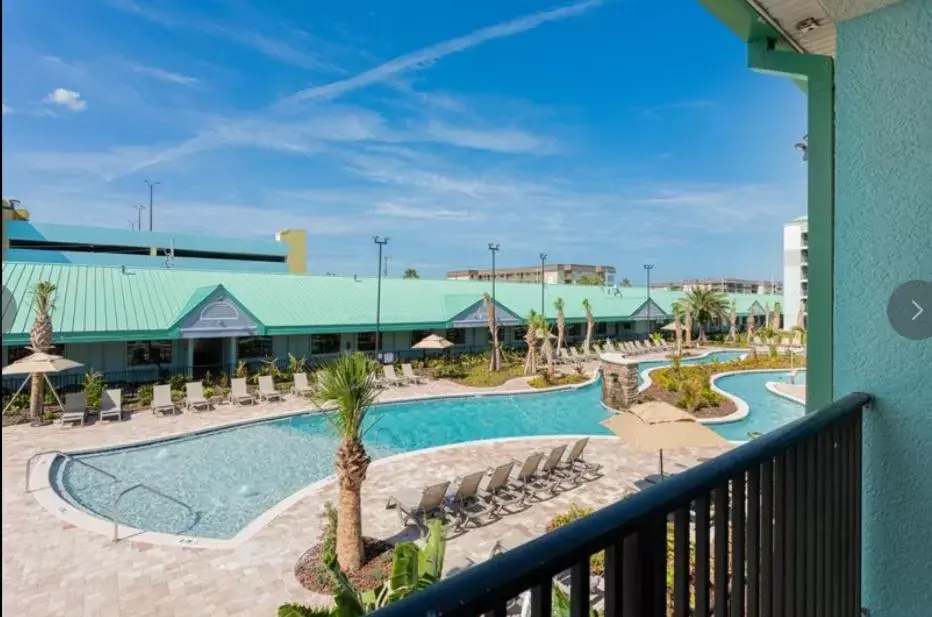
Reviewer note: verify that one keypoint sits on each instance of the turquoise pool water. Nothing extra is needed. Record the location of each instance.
(229, 477)
(767, 410)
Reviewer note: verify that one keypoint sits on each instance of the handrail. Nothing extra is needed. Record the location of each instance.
(116, 505)
(70, 457)
(522, 568)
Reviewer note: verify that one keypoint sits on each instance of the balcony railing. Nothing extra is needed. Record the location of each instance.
(768, 529)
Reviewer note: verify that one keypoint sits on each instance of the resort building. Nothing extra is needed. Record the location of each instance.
(725, 285)
(553, 274)
(134, 324)
(796, 268)
(26, 241)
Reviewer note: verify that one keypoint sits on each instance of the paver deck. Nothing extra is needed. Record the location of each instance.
(52, 568)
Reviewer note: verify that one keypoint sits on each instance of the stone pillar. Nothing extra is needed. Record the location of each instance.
(619, 381)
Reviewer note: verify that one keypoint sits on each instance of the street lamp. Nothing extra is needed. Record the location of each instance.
(139, 209)
(543, 259)
(378, 299)
(648, 268)
(151, 192)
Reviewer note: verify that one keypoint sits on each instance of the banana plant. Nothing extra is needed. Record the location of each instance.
(560, 604)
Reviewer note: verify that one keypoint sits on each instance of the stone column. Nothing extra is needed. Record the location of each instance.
(619, 381)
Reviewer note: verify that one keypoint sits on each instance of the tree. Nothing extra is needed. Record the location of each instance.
(349, 383)
(705, 306)
(40, 339)
(561, 324)
(625, 282)
(530, 337)
(590, 324)
(495, 358)
(546, 345)
(589, 279)
(411, 273)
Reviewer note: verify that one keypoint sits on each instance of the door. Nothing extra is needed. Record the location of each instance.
(208, 355)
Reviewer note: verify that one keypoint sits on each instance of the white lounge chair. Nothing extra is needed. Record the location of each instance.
(610, 346)
(408, 371)
(389, 376)
(239, 394)
(111, 404)
(418, 506)
(301, 386)
(75, 408)
(162, 400)
(194, 399)
(267, 391)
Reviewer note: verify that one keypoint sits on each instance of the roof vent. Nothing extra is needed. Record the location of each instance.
(807, 25)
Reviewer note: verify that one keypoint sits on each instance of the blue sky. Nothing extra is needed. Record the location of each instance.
(618, 132)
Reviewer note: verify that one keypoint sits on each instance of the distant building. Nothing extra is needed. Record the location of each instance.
(26, 241)
(741, 286)
(553, 274)
(796, 269)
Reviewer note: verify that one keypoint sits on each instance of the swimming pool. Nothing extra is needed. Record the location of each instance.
(230, 476)
(768, 411)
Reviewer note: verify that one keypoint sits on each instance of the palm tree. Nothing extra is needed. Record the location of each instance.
(530, 337)
(349, 383)
(411, 273)
(561, 324)
(590, 324)
(495, 359)
(625, 282)
(706, 306)
(40, 339)
(546, 346)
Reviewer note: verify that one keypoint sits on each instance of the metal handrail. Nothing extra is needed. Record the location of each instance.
(70, 457)
(116, 505)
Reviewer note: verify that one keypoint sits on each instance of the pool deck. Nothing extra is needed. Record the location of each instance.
(51, 567)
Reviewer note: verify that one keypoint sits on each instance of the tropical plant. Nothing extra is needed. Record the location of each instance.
(349, 383)
(589, 279)
(296, 364)
(144, 395)
(590, 323)
(40, 339)
(530, 337)
(705, 306)
(561, 324)
(411, 273)
(242, 369)
(546, 344)
(495, 358)
(625, 282)
(94, 387)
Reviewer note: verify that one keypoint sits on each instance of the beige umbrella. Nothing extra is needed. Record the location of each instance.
(658, 426)
(38, 362)
(434, 341)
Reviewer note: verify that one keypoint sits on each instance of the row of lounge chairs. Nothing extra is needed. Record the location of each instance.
(505, 490)
(628, 348)
(391, 378)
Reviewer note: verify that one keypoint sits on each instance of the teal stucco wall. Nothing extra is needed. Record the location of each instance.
(884, 238)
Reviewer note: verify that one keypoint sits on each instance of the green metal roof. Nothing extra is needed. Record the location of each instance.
(97, 303)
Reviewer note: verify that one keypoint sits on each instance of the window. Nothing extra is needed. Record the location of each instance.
(325, 343)
(574, 330)
(520, 333)
(419, 335)
(457, 336)
(18, 353)
(365, 341)
(601, 328)
(254, 347)
(139, 353)
(627, 325)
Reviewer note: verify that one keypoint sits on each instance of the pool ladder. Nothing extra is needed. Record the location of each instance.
(115, 517)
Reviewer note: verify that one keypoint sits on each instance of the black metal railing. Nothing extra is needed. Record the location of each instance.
(771, 528)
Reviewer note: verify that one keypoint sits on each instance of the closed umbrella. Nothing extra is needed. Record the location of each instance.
(777, 309)
(767, 315)
(39, 363)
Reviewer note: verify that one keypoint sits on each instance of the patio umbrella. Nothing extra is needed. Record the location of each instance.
(434, 341)
(659, 426)
(38, 363)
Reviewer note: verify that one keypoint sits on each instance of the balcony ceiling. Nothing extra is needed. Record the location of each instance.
(790, 17)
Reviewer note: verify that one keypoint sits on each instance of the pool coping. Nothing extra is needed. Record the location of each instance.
(771, 385)
(743, 409)
(49, 498)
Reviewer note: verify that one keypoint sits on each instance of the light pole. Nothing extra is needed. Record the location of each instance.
(543, 260)
(378, 299)
(139, 209)
(648, 268)
(151, 193)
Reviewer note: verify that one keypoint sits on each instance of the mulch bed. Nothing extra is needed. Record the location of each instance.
(660, 394)
(312, 574)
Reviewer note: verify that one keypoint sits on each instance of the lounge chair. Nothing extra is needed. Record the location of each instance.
(194, 399)
(301, 386)
(267, 391)
(238, 392)
(75, 408)
(526, 474)
(498, 491)
(408, 371)
(466, 505)
(610, 347)
(643, 346)
(389, 376)
(111, 404)
(631, 348)
(418, 506)
(550, 477)
(162, 399)
(574, 464)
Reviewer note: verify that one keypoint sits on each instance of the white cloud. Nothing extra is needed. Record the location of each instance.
(7, 110)
(66, 98)
(508, 140)
(166, 76)
(428, 55)
(427, 214)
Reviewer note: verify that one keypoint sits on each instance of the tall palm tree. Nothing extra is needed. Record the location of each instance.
(546, 344)
(733, 322)
(40, 339)
(530, 337)
(349, 383)
(495, 359)
(590, 324)
(705, 306)
(561, 324)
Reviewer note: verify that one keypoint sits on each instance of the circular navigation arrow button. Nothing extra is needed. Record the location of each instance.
(910, 310)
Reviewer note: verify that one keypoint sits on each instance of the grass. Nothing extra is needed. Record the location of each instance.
(545, 381)
(481, 377)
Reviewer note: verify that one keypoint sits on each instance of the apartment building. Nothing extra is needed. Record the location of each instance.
(553, 274)
(796, 269)
(725, 285)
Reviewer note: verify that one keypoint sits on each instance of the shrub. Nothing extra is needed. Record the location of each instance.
(545, 381)
(223, 380)
(177, 381)
(144, 395)
(208, 380)
(242, 369)
(208, 392)
(576, 512)
(94, 387)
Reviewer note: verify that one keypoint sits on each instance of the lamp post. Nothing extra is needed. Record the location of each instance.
(648, 268)
(543, 260)
(151, 194)
(378, 299)
(139, 209)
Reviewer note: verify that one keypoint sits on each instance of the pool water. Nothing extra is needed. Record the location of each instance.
(229, 477)
(767, 410)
